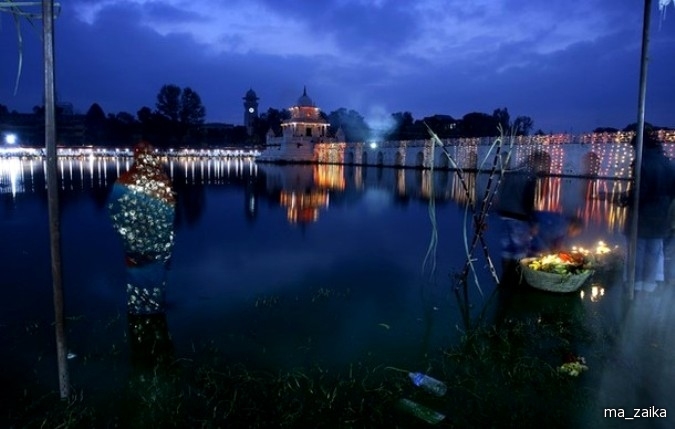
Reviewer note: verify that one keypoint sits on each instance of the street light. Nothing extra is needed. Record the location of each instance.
(10, 138)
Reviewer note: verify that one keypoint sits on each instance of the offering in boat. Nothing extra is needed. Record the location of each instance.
(563, 263)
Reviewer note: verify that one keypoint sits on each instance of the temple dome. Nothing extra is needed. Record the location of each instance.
(304, 100)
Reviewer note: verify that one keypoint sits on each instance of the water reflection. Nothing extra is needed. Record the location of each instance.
(307, 190)
(303, 207)
(595, 294)
(359, 298)
(11, 175)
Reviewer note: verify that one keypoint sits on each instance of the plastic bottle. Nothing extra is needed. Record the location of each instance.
(430, 384)
(420, 411)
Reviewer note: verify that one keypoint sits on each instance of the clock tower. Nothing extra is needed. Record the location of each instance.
(250, 110)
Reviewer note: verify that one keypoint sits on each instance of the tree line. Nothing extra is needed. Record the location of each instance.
(403, 126)
(177, 120)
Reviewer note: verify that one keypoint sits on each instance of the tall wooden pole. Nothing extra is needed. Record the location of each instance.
(53, 195)
(638, 148)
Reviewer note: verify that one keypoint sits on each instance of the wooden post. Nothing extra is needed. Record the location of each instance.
(53, 195)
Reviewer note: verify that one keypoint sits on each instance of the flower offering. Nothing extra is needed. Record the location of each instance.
(563, 263)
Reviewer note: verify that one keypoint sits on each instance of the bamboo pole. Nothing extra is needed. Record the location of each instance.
(53, 196)
(638, 149)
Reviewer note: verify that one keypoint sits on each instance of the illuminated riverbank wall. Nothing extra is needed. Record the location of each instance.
(588, 155)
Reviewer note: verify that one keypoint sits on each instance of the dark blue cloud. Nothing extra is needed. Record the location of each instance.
(570, 65)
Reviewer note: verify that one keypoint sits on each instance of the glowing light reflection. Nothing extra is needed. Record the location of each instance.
(597, 292)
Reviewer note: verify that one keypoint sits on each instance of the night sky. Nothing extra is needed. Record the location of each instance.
(570, 65)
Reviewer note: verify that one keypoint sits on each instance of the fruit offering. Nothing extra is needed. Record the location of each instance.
(563, 263)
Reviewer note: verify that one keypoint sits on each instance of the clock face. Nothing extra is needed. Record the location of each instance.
(251, 110)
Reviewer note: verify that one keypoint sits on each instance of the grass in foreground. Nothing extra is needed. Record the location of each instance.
(498, 376)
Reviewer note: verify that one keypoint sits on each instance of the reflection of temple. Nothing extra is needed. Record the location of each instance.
(303, 207)
(329, 176)
(304, 189)
(300, 133)
(310, 185)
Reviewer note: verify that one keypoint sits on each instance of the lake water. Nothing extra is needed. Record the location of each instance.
(274, 267)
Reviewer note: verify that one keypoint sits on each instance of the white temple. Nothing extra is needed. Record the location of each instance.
(300, 133)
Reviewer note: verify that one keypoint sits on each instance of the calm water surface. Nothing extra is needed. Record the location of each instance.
(273, 266)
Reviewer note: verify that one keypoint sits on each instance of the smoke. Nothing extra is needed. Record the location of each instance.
(380, 122)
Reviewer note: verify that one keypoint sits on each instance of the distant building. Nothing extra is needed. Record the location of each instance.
(305, 120)
(250, 110)
(300, 133)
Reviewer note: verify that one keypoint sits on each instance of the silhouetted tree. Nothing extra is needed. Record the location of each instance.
(522, 126)
(165, 129)
(3, 110)
(40, 110)
(270, 120)
(605, 130)
(122, 128)
(169, 103)
(477, 124)
(444, 126)
(633, 127)
(352, 123)
(144, 115)
(502, 118)
(404, 128)
(192, 111)
(192, 114)
(181, 114)
(94, 125)
(153, 126)
(237, 135)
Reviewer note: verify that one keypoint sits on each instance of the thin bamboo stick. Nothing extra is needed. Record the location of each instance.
(53, 196)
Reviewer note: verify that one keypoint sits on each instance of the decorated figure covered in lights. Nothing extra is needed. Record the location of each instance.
(142, 208)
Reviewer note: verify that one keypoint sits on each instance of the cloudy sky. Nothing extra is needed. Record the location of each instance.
(571, 65)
